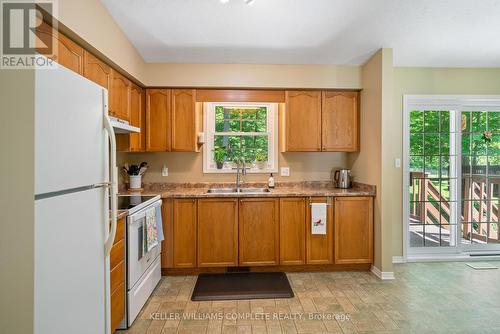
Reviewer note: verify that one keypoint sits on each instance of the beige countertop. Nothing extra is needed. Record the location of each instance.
(282, 189)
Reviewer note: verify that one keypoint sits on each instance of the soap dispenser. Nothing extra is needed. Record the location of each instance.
(270, 182)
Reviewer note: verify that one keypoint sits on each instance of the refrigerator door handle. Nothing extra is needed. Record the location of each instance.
(113, 187)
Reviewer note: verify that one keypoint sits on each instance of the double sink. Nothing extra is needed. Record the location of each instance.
(238, 190)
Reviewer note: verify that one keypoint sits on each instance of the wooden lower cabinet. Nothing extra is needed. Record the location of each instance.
(117, 276)
(184, 231)
(167, 245)
(292, 231)
(229, 232)
(353, 230)
(117, 306)
(319, 247)
(217, 232)
(258, 232)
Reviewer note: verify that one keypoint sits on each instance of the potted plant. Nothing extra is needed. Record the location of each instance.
(261, 158)
(220, 154)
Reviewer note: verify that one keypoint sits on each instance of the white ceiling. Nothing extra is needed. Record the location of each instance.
(448, 33)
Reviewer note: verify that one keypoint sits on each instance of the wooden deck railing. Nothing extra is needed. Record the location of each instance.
(426, 203)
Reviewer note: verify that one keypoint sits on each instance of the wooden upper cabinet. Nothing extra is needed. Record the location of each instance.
(353, 230)
(96, 70)
(319, 247)
(185, 120)
(217, 232)
(119, 96)
(184, 232)
(158, 120)
(66, 52)
(340, 121)
(292, 231)
(258, 232)
(137, 118)
(135, 142)
(302, 121)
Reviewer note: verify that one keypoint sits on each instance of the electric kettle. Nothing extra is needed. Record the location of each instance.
(342, 178)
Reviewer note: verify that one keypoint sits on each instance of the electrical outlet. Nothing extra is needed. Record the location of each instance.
(164, 171)
(285, 171)
(397, 163)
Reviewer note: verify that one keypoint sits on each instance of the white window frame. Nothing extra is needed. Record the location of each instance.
(458, 103)
(209, 165)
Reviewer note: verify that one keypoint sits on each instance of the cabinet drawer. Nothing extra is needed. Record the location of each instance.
(117, 253)
(117, 306)
(117, 276)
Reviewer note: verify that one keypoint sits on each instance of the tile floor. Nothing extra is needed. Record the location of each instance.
(424, 298)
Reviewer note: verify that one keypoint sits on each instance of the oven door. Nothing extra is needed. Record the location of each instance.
(137, 259)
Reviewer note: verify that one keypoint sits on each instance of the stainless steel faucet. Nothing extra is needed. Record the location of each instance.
(243, 169)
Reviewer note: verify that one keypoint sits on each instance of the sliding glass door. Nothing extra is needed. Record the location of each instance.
(480, 179)
(451, 174)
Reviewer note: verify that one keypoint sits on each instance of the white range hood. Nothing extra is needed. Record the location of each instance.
(121, 126)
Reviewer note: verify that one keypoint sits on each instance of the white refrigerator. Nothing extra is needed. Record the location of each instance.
(75, 173)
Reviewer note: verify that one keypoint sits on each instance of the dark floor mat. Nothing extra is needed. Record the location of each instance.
(231, 286)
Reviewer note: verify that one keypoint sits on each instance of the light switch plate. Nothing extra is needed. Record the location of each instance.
(285, 171)
(397, 163)
(164, 171)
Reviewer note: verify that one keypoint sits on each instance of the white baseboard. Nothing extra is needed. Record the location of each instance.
(398, 259)
(450, 258)
(383, 275)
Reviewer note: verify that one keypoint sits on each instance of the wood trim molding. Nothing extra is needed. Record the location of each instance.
(239, 95)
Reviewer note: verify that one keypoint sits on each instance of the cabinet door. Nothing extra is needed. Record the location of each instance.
(353, 230)
(96, 70)
(340, 121)
(258, 231)
(292, 231)
(319, 247)
(167, 245)
(218, 232)
(119, 96)
(137, 118)
(117, 276)
(158, 120)
(184, 120)
(184, 233)
(67, 53)
(117, 307)
(302, 121)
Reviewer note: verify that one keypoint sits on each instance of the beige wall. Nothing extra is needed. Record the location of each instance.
(187, 167)
(91, 21)
(247, 75)
(17, 200)
(368, 165)
(409, 80)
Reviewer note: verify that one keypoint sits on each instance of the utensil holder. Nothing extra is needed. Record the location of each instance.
(135, 181)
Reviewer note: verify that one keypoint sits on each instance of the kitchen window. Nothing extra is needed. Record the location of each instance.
(240, 132)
